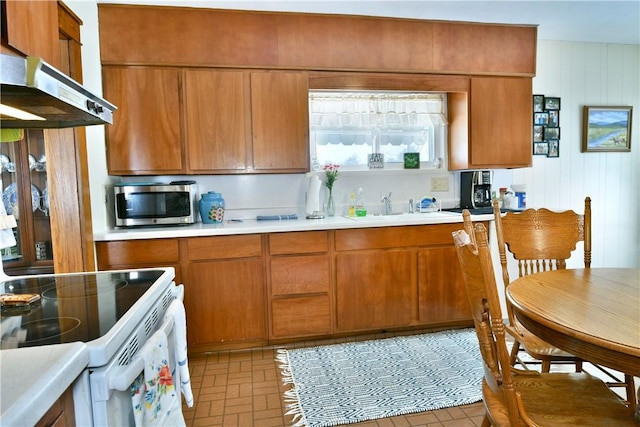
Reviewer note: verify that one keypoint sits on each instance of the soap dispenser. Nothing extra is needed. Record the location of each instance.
(361, 205)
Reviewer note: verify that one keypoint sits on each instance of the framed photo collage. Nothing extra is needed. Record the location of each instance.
(546, 126)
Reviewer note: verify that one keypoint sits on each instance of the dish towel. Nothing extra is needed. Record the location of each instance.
(176, 309)
(153, 394)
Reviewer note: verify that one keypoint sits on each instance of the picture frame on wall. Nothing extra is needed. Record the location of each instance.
(541, 148)
(551, 133)
(553, 149)
(606, 129)
(554, 119)
(551, 103)
(541, 118)
(538, 133)
(538, 103)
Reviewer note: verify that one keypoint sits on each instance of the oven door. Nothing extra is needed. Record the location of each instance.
(103, 397)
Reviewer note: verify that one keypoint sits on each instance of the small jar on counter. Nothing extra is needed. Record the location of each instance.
(211, 206)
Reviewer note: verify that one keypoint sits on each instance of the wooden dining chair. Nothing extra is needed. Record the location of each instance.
(514, 397)
(542, 240)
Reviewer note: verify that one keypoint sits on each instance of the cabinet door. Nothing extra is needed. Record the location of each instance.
(144, 138)
(501, 122)
(374, 289)
(31, 27)
(441, 293)
(225, 301)
(280, 121)
(215, 120)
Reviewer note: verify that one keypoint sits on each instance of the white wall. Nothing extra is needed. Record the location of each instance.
(596, 75)
(579, 73)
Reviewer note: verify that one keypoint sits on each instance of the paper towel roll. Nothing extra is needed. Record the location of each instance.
(313, 196)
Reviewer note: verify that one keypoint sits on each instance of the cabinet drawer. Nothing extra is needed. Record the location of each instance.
(299, 275)
(221, 247)
(395, 237)
(298, 242)
(133, 252)
(301, 316)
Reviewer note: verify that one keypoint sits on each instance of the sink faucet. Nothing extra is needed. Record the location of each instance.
(387, 204)
(411, 206)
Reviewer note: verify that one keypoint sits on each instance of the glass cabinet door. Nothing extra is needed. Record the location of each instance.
(25, 195)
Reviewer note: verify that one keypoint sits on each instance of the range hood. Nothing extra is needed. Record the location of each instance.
(33, 86)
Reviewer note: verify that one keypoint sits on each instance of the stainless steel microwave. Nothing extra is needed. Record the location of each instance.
(143, 204)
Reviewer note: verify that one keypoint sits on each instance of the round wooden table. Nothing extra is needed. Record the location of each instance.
(592, 313)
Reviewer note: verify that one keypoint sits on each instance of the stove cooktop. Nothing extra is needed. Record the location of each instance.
(77, 307)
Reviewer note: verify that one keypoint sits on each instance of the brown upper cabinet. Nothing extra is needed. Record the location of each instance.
(232, 38)
(31, 29)
(245, 78)
(206, 121)
(491, 126)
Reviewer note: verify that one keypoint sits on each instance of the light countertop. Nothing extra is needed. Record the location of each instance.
(277, 226)
(33, 378)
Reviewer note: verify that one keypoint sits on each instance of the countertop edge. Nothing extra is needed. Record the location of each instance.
(281, 226)
(33, 378)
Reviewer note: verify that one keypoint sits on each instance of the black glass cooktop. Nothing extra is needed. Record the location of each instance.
(71, 307)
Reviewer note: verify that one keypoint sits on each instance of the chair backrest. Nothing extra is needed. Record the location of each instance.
(540, 239)
(482, 292)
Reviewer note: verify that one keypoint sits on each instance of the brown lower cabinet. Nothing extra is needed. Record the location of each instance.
(61, 413)
(257, 289)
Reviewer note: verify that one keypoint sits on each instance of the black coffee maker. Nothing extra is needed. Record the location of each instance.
(475, 189)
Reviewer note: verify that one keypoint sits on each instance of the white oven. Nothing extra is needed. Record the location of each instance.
(114, 313)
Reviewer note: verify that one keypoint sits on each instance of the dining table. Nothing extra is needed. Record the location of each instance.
(593, 313)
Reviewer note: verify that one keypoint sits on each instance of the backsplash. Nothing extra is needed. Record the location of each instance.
(247, 196)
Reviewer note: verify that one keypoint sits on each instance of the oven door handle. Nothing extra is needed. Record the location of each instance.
(122, 377)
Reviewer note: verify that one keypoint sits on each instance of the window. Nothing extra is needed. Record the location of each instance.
(348, 126)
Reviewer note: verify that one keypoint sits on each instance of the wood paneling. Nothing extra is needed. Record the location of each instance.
(311, 41)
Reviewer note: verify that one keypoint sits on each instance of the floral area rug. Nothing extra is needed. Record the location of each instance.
(359, 381)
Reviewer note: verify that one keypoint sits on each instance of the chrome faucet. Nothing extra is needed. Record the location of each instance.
(411, 208)
(387, 204)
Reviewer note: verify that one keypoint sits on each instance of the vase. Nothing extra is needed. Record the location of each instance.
(211, 207)
(331, 205)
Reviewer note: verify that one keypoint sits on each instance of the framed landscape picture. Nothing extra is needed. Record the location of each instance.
(606, 129)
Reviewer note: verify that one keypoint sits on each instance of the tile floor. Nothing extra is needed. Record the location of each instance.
(243, 388)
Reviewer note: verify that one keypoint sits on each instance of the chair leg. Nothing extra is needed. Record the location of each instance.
(485, 421)
(631, 392)
(579, 365)
(514, 353)
(546, 365)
